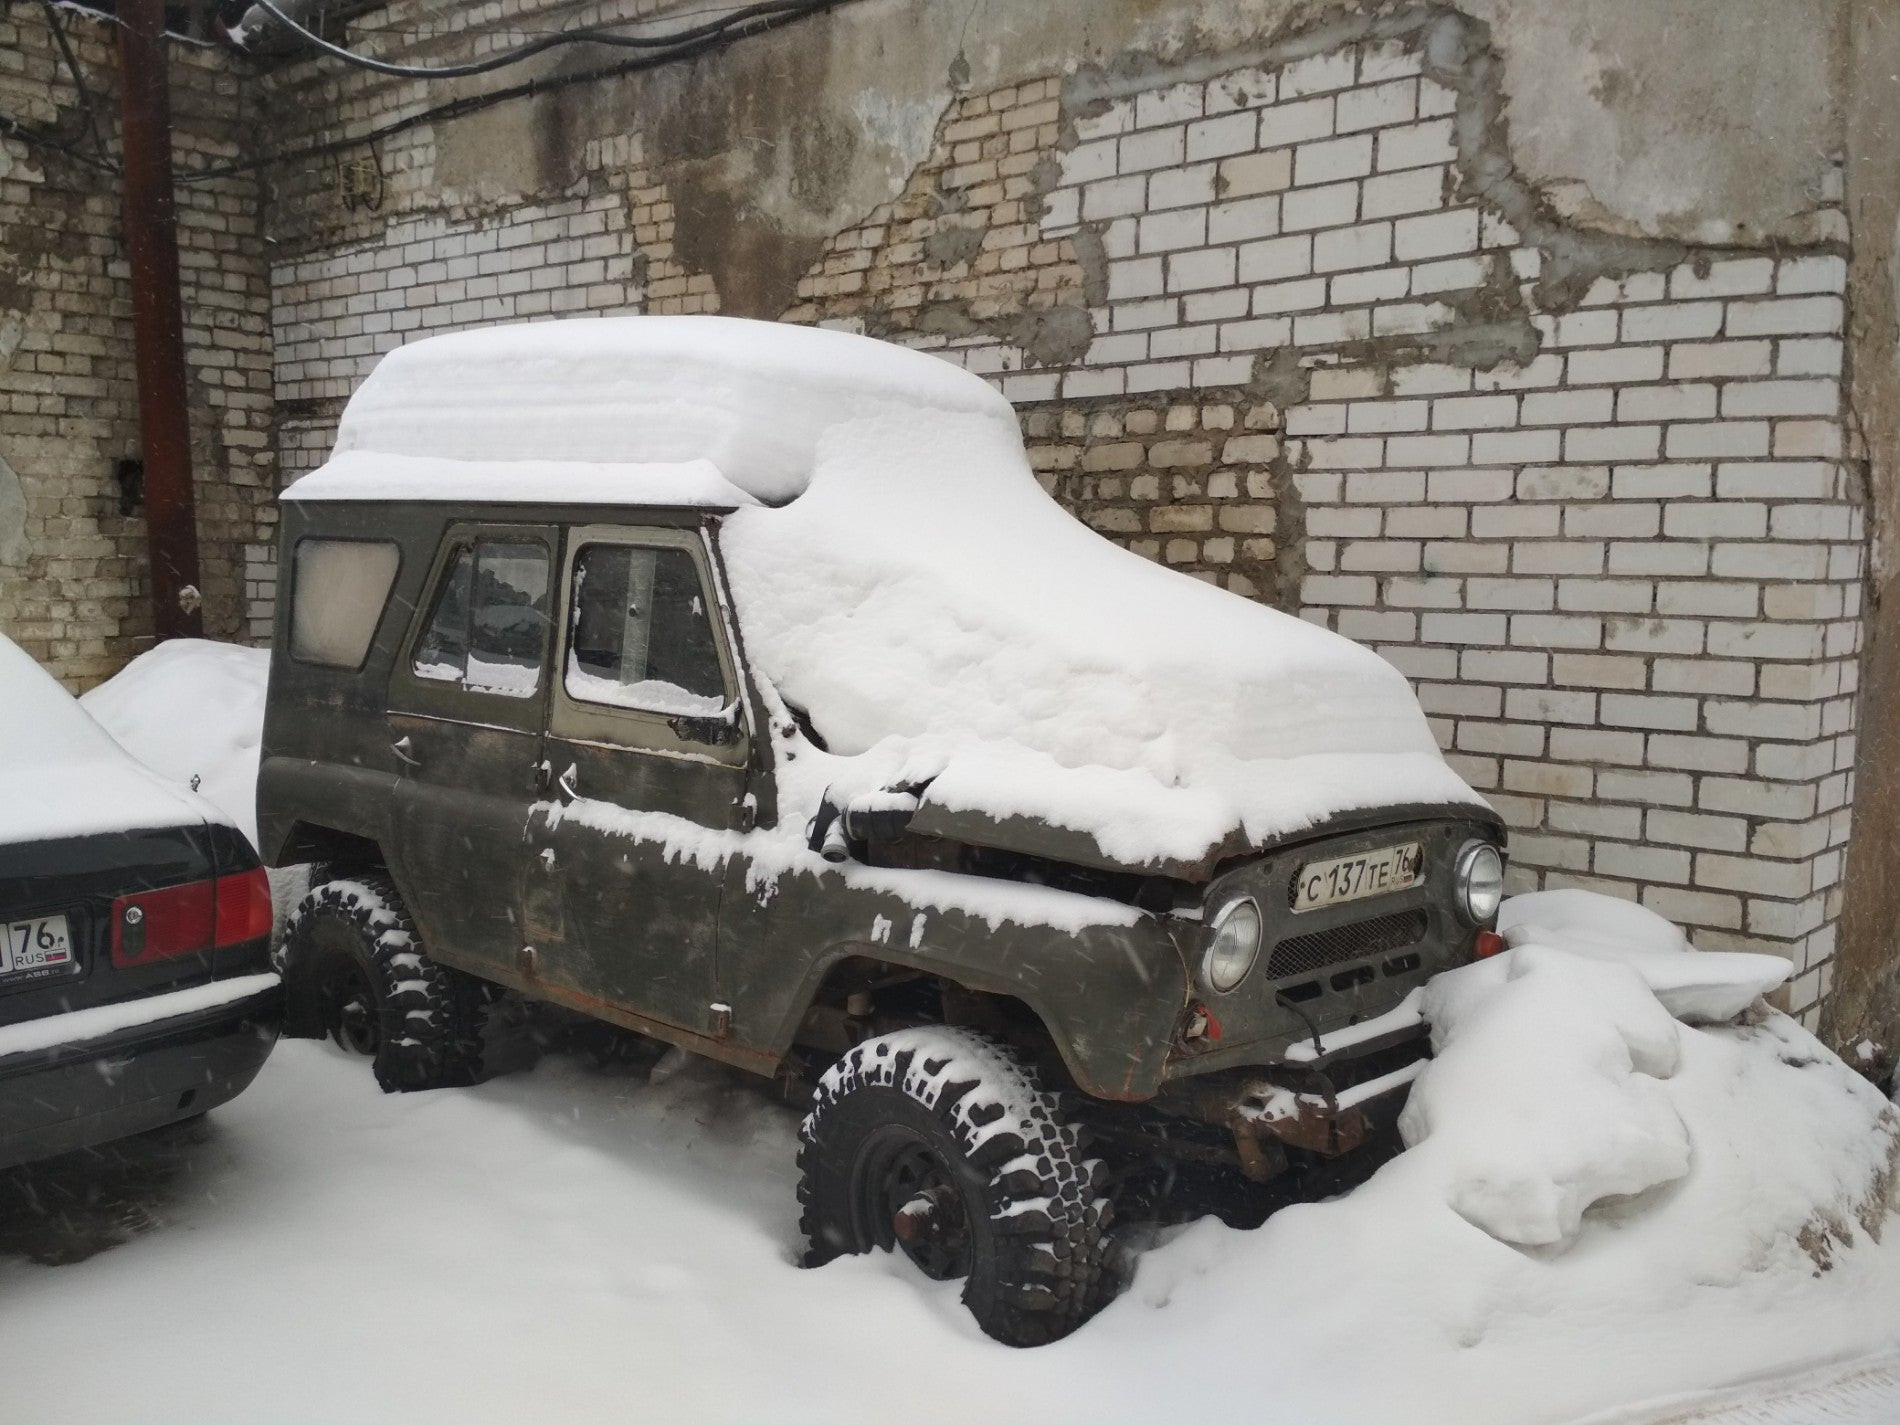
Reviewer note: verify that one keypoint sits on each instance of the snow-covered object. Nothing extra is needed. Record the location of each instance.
(77, 1026)
(1544, 1091)
(61, 774)
(926, 601)
(901, 578)
(1697, 986)
(373, 475)
(753, 398)
(192, 710)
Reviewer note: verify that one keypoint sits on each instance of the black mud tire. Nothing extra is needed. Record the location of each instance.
(427, 1016)
(1031, 1224)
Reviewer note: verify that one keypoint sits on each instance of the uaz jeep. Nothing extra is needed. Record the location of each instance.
(737, 684)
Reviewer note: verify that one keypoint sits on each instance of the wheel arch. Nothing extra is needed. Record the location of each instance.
(1095, 1052)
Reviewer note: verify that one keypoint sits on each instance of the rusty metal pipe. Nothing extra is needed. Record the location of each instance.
(150, 223)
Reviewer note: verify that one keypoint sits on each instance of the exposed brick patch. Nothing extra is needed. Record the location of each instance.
(73, 588)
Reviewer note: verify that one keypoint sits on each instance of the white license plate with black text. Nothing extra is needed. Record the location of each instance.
(43, 943)
(1352, 878)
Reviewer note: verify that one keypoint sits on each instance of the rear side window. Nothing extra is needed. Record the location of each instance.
(489, 625)
(642, 633)
(338, 589)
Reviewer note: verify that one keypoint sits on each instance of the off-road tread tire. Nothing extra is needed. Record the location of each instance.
(1048, 1268)
(429, 1014)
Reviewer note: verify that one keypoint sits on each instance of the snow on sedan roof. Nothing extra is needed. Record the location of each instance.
(63, 773)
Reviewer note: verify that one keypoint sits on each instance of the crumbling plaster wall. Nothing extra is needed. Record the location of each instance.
(1504, 336)
(73, 587)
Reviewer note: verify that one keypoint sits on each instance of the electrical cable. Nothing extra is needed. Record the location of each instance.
(547, 84)
(588, 34)
(79, 82)
(33, 138)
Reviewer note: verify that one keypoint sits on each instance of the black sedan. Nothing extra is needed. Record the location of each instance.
(135, 979)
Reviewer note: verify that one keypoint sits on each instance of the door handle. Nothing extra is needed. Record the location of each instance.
(566, 782)
(402, 749)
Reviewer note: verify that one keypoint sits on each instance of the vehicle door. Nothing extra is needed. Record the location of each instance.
(647, 743)
(468, 700)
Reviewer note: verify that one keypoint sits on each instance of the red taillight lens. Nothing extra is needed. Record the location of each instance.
(162, 925)
(190, 919)
(244, 909)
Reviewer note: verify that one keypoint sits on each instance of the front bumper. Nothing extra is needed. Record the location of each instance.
(1328, 1102)
(84, 1091)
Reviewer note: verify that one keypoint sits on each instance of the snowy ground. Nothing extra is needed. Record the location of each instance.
(1614, 1212)
(574, 1245)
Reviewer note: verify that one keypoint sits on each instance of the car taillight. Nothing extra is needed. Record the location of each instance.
(244, 908)
(191, 919)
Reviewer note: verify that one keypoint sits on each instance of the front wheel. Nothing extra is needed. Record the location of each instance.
(942, 1144)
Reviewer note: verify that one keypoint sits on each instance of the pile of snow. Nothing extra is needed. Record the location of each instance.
(1694, 985)
(374, 475)
(1546, 1094)
(62, 775)
(753, 398)
(908, 585)
(941, 619)
(192, 710)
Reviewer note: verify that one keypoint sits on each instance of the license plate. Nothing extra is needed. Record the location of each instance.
(1354, 878)
(35, 949)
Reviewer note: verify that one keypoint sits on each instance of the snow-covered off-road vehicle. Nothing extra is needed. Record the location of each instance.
(737, 684)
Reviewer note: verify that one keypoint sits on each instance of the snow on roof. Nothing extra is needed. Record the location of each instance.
(63, 773)
(371, 475)
(754, 398)
(900, 575)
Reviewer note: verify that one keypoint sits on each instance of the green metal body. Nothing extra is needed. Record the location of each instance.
(464, 797)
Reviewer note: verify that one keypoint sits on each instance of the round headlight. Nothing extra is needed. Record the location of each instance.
(1236, 943)
(1480, 881)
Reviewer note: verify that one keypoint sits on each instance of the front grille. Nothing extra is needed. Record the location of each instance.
(1303, 954)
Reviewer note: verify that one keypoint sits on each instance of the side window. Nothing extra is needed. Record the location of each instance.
(641, 635)
(489, 624)
(338, 589)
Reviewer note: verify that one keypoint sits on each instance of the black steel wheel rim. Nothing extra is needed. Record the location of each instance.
(900, 1174)
(354, 1021)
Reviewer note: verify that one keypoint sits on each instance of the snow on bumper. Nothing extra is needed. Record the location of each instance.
(155, 1013)
(93, 1076)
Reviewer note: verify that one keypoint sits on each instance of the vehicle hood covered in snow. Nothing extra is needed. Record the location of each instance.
(64, 775)
(902, 580)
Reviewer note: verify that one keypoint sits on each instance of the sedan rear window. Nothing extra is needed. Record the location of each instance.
(338, 591)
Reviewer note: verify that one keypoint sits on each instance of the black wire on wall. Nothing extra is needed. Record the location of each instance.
(753, 20)
(665, 49)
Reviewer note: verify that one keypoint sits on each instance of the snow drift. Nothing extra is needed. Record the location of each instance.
(192, 710)
(61, 773)
(1694, 985)
(900, 578)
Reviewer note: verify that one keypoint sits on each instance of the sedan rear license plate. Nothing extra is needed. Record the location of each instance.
(35, 949)
(1354, 878)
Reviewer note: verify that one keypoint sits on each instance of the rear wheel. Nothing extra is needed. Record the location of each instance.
(355, 970)
(942, 1144)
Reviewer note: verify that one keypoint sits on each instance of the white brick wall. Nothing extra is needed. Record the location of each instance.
(1625, 576)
